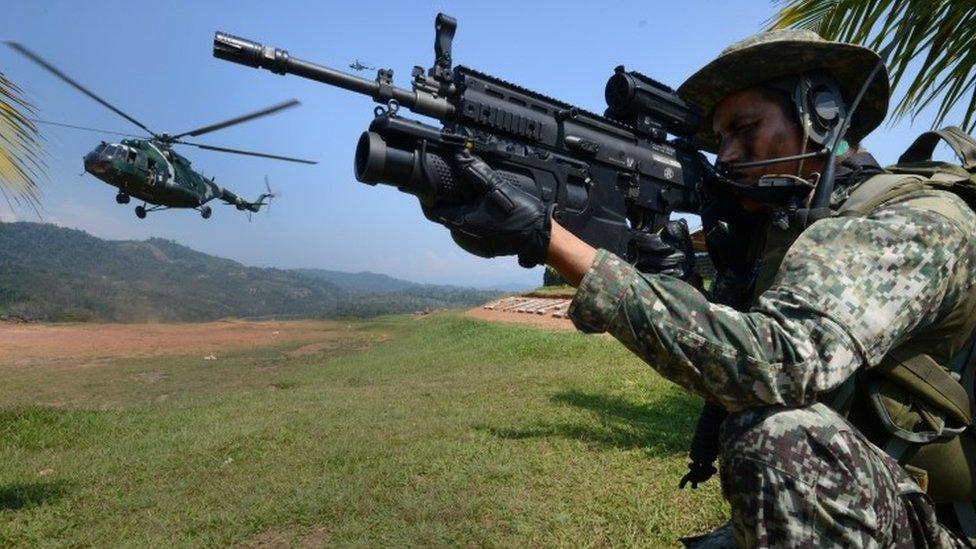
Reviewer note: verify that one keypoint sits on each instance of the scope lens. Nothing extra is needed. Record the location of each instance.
(619, 92)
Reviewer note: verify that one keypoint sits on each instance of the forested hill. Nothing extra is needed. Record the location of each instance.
(52, 273)
(359, 282)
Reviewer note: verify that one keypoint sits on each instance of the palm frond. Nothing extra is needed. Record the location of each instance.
(934, 59)
(21, 158)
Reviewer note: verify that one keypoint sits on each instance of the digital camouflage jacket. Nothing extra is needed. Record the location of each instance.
(847, 292)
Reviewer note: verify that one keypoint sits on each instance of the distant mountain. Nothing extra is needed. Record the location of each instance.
(367, 282)
(509, 287)
(363, 282)
(54, 273)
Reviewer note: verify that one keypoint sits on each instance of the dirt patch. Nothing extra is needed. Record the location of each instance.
(290, 536)
(531, 319)
(31, 343)
(149, 377)
(115, 366)
(334, 341)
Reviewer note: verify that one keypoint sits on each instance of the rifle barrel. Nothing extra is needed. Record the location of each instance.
(256, 55)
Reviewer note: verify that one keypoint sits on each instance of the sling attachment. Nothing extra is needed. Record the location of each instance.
(840, 398)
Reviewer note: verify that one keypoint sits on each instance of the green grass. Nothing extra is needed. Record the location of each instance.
(564, 290)
(440, 430)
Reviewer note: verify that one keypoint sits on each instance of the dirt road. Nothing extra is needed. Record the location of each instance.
(27, 343)
(87, 343)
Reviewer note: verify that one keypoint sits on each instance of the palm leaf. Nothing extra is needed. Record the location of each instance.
(933, 60)
(21, 160)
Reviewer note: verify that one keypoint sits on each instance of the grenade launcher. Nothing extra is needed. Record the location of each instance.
(612, 179)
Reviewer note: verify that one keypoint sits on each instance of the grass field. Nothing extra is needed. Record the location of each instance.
(405, 431)
(564, 290)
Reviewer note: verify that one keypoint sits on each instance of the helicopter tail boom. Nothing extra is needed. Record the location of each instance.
(257, 204)
(265, 195)
(264, 199)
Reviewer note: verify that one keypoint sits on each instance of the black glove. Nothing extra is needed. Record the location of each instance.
(502, 219)
(704, 445)
(698, 473)
(669, 253)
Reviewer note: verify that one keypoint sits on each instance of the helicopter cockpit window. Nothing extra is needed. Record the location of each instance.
(131, 157)
(110, 150)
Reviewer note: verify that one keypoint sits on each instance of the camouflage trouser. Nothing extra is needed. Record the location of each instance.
(806, 478)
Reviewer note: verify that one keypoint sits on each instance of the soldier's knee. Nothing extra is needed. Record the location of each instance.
(780, 437)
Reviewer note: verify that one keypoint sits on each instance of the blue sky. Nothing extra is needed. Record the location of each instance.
(153, 60)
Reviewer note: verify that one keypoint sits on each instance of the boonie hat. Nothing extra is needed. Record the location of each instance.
(776, 54)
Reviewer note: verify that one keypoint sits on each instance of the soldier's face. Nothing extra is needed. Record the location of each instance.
(752, 125)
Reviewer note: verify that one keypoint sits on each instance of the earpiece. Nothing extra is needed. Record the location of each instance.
(819, 105)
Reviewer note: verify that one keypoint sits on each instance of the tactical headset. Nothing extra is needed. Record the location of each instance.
(817, 102)
(820, 106)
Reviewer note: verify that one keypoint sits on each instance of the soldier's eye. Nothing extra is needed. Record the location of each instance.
(746, 126)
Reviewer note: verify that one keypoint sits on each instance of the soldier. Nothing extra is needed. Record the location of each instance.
(802, 306)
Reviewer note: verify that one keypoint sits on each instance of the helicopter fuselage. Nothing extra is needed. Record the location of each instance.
(149, 169)
(151, 173)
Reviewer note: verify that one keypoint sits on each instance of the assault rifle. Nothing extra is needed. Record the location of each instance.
(612, 179)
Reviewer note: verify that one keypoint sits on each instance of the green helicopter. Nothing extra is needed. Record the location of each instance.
(149, 170)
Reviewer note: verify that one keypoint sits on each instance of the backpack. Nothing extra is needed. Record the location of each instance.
(918, 404)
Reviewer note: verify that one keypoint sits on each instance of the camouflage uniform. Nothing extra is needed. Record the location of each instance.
(848, 290)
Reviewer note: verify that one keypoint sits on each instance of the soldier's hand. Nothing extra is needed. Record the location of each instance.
(501, 220)
(670, 252)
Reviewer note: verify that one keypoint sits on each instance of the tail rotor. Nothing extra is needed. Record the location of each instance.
(268, 194)
(264, 200)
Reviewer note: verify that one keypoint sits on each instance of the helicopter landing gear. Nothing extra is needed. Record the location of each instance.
(122, 198)
(205, 212)
(141, 211)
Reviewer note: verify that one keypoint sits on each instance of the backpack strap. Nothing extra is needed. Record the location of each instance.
(961, 143)
(937, 396)
(932, 383)
(966, 517)
(965, 511)
(877, 190)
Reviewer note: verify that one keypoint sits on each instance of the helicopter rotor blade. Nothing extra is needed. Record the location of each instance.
(239, 119)
(20, 48)
(247, 153)
(87, 129)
